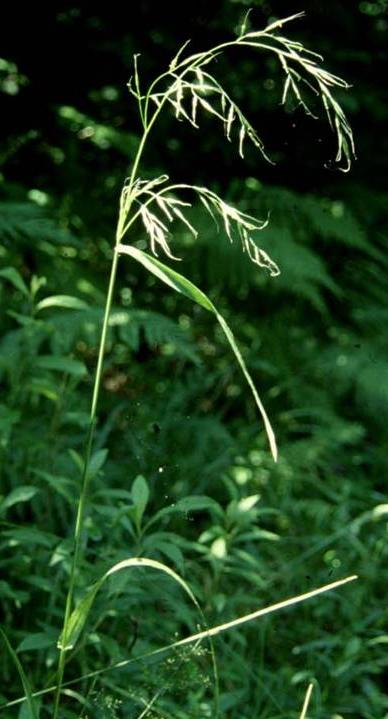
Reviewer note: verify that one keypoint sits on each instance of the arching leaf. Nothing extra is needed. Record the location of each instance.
(181, 284)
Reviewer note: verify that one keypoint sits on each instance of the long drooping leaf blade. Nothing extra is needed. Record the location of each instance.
(268, 428)
(170, 277)
(181, 284)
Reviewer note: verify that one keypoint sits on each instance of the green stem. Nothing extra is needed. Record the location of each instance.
(85, 480)
(121, 229)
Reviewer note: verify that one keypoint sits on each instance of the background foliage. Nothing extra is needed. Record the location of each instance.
(242, 531)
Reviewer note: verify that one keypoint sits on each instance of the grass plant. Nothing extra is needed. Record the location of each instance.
(191, 89)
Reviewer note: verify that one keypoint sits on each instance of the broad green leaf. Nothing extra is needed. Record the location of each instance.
(218, 548)
(15, 278)
(379, 511)
(97, 461)
(21, 494)
(26, 684)
(24, 711)
(247, 503)
(196, 503)
(8, 417)
(36, 285)
(184, 286)
(77, 419)
(61, 364)
(77, 459)
(173, 553)
(24, 320)
(116, 494)
(63, 301)
(382, 639)
(61, 485)
(184, 506)
(40, 640)
(80, 614)
(46, 387)
(30, 536)
(257, 534)
(140, 497)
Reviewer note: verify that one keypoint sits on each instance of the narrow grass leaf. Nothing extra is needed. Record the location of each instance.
(263, 612)
(26, 684)
(306, 701)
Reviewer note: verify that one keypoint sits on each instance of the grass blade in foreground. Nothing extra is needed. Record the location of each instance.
(262, 612)
(181, 284)
(306, 701)
(80, 614)
(29, 695)
(202, 635)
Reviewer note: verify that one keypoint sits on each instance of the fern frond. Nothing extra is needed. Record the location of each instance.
(26, 222)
